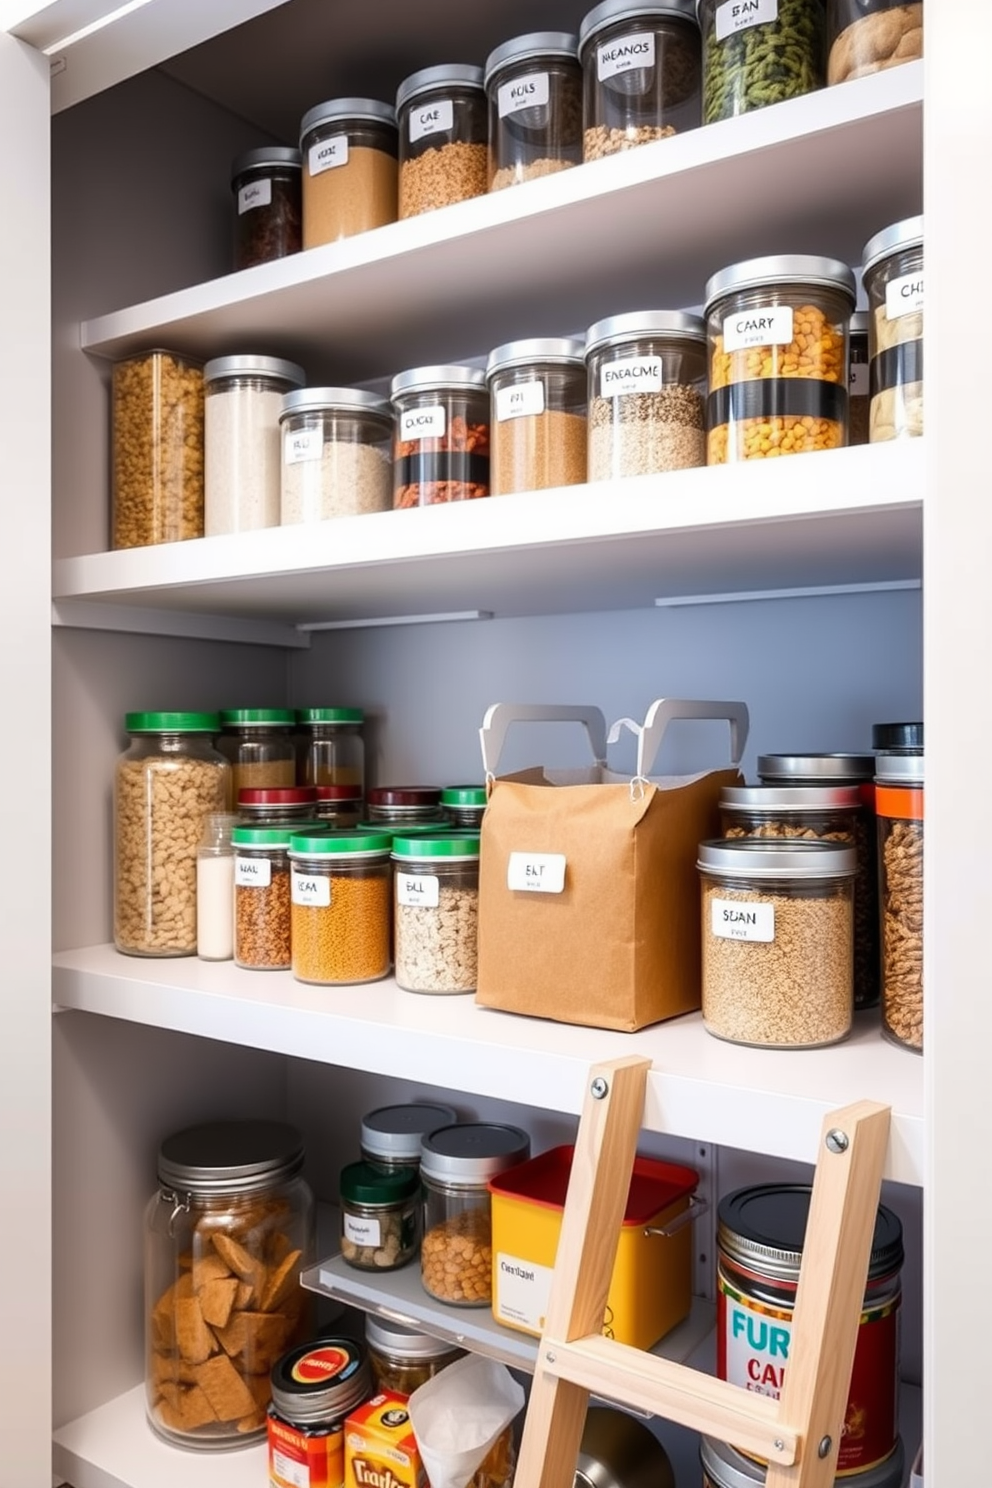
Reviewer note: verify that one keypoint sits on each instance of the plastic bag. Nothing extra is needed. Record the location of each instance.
(459, 1414)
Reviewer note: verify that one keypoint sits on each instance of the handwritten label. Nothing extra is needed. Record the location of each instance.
(311, 890)
(255, 194)
(423, 423)
(515, 402)
(302, 444)
(904, 296)
(630, 375)
(433, 118)
(252, 873)
(736, 919)
(536, 873)
(624, 54)
(768, 326)
(362, 1231)
(417, 890)
(738, 15)
(328, 154)
(523, 93)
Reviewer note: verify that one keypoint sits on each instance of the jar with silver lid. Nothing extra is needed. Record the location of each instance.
(537, 395)
(760, 53)
(402, 1359)
(456, 1164)
(349, 148)
(336, 454)
(392, 1135)
(242, 402)
(892, 275)
(441, 436)
(267, 189)
(314, 1389)
(534, 87)
(642, 73)
(724, 1467)
(444, 137)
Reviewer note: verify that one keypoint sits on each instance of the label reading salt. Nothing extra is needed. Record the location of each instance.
(515, 402)
(859, 382)
(255, 194)
(904, 296)
(327, 154)
(311, 890)
(252, 873)
(423, 423)
(624, 54)
(303, 445)
(433, 118)
(770, 326)
(361, 1231)
(522, 1292)
(417, 890)
(738, 15)
(631, 375)
(736, 919)
(537, 873)
(523, 93)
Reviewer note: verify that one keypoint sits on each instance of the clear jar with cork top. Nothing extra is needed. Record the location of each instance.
(444, 137)
(349, 148)
(537, 391)
(643, 73)
(534, 87)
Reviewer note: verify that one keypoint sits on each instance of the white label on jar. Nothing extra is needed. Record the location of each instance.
(734, 919)
(631, 375)
(624, 54)
(301, 445)
(522, 1292)
(523, 93)
(255, 194)
(433, 118)
(311, 889)
(904, 296)
(538, 873)
(768, 326)
(515, 402)
(327, 154)
(423, 423)
(362, 1231)
(418, 890)
(757, 1348)
(253, 873)
(858, 383)
(738, 15)
(293, 1474)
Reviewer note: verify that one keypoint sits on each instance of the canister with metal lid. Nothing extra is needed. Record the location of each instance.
(349, 148)
(892, 274)
(724, 1467)
(869, 36)
(537, 392)
(392, 1135)
(314, 1388)
(642, 73)
(759, 53)
(243, 398)
(268, 206)
(456, 1164)
(441, 437)
(899, 807)
(336, 454)
(443, 136)
(534, 87)
(403, 1359)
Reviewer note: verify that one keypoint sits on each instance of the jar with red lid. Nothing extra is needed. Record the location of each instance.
(338, 806)
(396, 806)
(277, 805)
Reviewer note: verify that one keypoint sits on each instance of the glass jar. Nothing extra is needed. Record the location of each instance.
(338, 807)
(534, 88)
(341, 890)
(391, 1135)
(758, 54)
(778, 357)
(349, 148)
(165, 784)
(444, 137)
(243, 398)
(778, 933)
(642, 74)
(336, 454)
(396, 807)
(226, 1236)
(436, 913)
(537, 411)
(893, 279)
(156, 449)
(276, 805)
(897, 738)
(724, 1467)
(456, 1163)
(760, 1237)
(866, 36)
(403, 1360)
(380, 1217)
(464, 806)
(647, 393)
(858, 380)
(314, 1389)
(215, 888)
(334, 746)
(823, 813)
(441, 449)
(268, 204)
(899, 808)
(261, 898)
(258, 742)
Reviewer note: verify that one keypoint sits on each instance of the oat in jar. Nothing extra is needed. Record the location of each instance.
(456, 1163)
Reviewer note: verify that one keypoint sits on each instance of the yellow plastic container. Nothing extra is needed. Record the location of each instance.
(651, 1289)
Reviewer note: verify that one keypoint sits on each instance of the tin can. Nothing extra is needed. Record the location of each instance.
(313, 1390)
(724, 1467)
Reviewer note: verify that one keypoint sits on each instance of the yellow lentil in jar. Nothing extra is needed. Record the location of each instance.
(341, 914)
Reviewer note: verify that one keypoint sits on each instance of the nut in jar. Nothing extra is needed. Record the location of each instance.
(157, 450)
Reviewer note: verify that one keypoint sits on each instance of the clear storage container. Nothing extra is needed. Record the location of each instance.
(276, 805)
(380, 1216)
(647, 393)
(258, 742)
(441, 448)
(261, 898)
(226, 1236)
(778, 357)
(444, 137)
(334, 746)
(899, 808)
(724, 1467)
(215, 888)
(464, 806)
(341, 890)
(338, 806)
(156, 449)
(403, 1360)
(456, 1164)
(537, 395)
(349, 148)
(336, 454)
(396, 807)
(866, 36)
(858, 380)
(314, 1389)
(642, 73)
(243, 397)
(893, 281)
(760, 53)
(436, 924)
(391, 1135)
(534, 87)
(268, 205)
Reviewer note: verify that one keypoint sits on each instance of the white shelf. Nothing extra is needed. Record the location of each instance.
(770, 1101)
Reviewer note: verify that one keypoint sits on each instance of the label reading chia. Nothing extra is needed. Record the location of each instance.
(631, 375)
(904, 295)
(255, 194)
(433, 118)
(735, 919)
(523, 93)
(738, 15)
(769, 325)
(624, 54)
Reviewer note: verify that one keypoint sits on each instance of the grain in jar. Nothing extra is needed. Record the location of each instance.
(349, 149)
(456, 1164)
(724, 1467)
(759, 53)
(156, 449)
(336, 454)
(899, 808)
(391, 1136)
(642, 73)
(436, 946)
(380, 1216)
(778, 361)
(341, 894)
(261, 898)
(464, 806)
(534, 88)
(403, 1359)
(258, 742)
(268, 205)
(243, 397)
(443, 137)
(441, 446)
(893, 279)
(868, 36)
(537, 392)
(333, 746)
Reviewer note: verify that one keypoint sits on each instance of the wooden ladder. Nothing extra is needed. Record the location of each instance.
(798, 1435)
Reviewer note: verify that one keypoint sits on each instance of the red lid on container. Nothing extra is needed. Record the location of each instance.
(338, 792)
(404, 795)
(654, 1185)
(277, 795)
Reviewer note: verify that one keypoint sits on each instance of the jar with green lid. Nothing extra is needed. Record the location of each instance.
(243, 398)
(724, 1467)
(464, 805)
(534, 87)
(315, 1387)
(456, 1164)
(444, 137)
(537, 412)
(899, 807)
(391, 1135)
(403, 1360)
(349, 148)
(380, 1216)
(261, 898)
(156, 457)
(334, 745)
(441, 436)
(892, 275)
(277, 805)
(642, 73)
(258, 742)
(268, 207)
(336, 454)
(394, 807)
(169, 779)
(759, 53)
(341, 893)
(858, 380)
(436, 926)
(338, 807)
(869, 36)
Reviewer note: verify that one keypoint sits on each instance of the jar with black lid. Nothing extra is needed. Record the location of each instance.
(392, 1135)
(444, 137)
(268, 203)
(349, 148)
(892, 275)
(724, 1467)
(456, 1164)
(402, 1359)
(642, 73)
(314, 1389)
(758, 54)
(897, 738)
(441, 448)
(867, 36)
(534, 87)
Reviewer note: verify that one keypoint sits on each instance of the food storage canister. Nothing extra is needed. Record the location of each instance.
(403, 1359)
(341, 890)
(443, 136)
(258, 742)
(537, 412)
(759, 53)
(897, 738)
(899, 808)
(215, 888)
(391, 1135)
(380, 1216)
(336, 454)
(338, 806)
(778, 357)
(642, 73)
(464, 806)
(268, 205)
(168, 780)
(858, 379)
(724, 1467)
(456, 1164)
(349, 148)
(534, 88)
(156, 449)
(334, 746)
(893, 281)
(243, 399)
(226, 1236)
(778, 932)
(261, 898)
(441, 435)
(436, 915)
(647, 393)
(760, 1236)
(394, 807)
(276, 805)
(314, 1388)
(866, 36)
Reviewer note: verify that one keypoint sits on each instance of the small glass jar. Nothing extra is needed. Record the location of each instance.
(258, 742)
(170, 778)
(226, 1236)
(534, 87)
(537, 410)
(866, 36)
(395, 807)
(315, 1387)
(276, 805)
(822, 813)
(261, 898)
(444, 137)
(391, 1135)
(778, 357)
(334, 746)
(243, 399)
(341, 891)
(403, 1360)
(215, 888)
(643, 73)
(436, 924)
(336, 454)
(268, 205)
(899, 808)
(338, 807)
(778, 941)
(156, 449)
(349, 148)
(893, 279)
(441, 448)
(380, 1217)
(647, 393)
(858, 380)
(464, 806)
(758, 54)
(456, 1164)
(724, 1467)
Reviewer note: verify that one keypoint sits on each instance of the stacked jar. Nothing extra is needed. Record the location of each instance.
(399, 808)
(534, 87)
(464, 806)
(333, 746)
(456, 1163)
(642, 73)
(441, 449)
(443, 138)
(867, 36)
(277, 805)
(758, 54)
(341, 917)
(403, 1360)
(258, 742)
(391, 1136)
(893, 280)
(156, 449)
(349, 149)
(436, 916)
(537, 392)
(899, 807)
(261, 898)
(336, 454)
(243, 399)
(338, 807)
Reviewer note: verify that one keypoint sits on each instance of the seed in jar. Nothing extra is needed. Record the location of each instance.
(456, 1258)
(538, 451)
(157, 451)
(437, 948)
(262, 921)
(902, 932)
(437, 177)
(347, 940)
(599, 141)
(647, 433)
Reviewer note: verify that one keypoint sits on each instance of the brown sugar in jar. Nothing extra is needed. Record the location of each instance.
(349, 149)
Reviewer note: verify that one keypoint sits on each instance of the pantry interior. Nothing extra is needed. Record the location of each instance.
(548, 598)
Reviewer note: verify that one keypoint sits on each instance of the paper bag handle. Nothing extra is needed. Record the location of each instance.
(492, 734)
(664, 711)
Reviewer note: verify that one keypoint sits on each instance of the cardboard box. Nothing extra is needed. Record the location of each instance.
(380, 1449)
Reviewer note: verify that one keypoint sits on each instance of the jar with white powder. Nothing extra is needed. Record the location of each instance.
(336, 454)
(242, 401)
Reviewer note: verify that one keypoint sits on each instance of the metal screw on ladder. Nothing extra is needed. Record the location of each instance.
(778, 1444)
(837, 1141)
(599, 1088)
(824, 1447)
(550, 1357)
